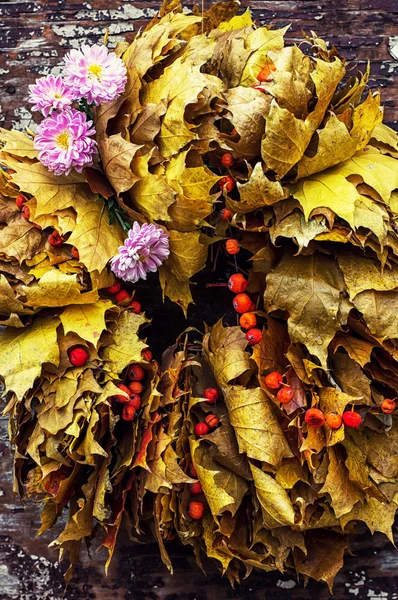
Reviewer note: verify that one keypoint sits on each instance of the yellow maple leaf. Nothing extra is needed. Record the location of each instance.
(57, 289)
(126, 347)
(23, 353)
(87, 320)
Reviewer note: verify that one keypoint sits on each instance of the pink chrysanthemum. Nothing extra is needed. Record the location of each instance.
(95, 74)
(63, 142)
(50, 93)
(145, 249)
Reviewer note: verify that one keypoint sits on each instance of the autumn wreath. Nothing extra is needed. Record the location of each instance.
(205, 140)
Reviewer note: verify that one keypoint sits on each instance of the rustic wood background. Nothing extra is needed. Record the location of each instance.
(34, 35)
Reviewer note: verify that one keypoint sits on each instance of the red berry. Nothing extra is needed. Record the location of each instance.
(20, 200)
(227, 183)
(211, 395)
(135, 307)
(135, 401)
(128, 412)
(122, 296)
(75, 253)
(78, 356)
(120, 397)
(388, 406)
(147, 355)
(196, 510)
(232, 246)
(241, 303)
(225, 214)
(314, 417)
(334, 420)
(237, 283)
(273, 380)
(227, 160)
(254, 336)
(114, 289)
(195, 488)
(201, 429)
(192, 471)
(135, 373)
(285, 394)
(212, 421)
(352, 419)
(25, 211)
(136, 387)
(54, 239)
(233, 132)
(248, 320)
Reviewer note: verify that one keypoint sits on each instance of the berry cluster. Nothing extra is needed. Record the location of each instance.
(122, 295)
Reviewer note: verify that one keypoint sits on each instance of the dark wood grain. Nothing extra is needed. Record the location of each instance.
(34, 35)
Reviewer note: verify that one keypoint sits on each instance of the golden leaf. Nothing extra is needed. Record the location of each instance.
(151, 194)
(288, 137)
(17, 144)
(313, 302)
(259, 42)
(126, 347)
(116, 155)
(255, 420)
(57, 289)
(248, 108)
(223, 489)
(343, 492)
(336, 143)
(378, 516)
(24, 352)
(224, 349)
(20, 239)
(259, 191)
(237, 22)
(9, 303)
(275, 503)
(86, 320)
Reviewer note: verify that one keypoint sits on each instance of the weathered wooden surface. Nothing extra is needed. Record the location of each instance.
(34, 35)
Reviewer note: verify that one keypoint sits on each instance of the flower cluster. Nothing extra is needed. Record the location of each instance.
(64, 139)
(144, 250)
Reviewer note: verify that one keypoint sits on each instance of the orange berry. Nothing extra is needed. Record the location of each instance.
(136, 387)
(334, 420)
(78, 356)
(227, 160)
(135, 373)
(147, 354)
(135, 401)
(232, 246)
(25, 211)
(120, 397)
(201, 429)
(254, 336)
(273, 380)
(135, 307)
(212, 421)
(352, 419)
(266, 72)
(128, 412)
(211, 395)
(122, 296)
(388, 406)
(314, 417)
(20, 200)
(241, 303)
(75, 253)
(54, 239)
(196, 510)
(248, 320)
(285, 394)
(237, 283)
(225, 214)
(226, 183)
(195, 488)
(114, 289)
